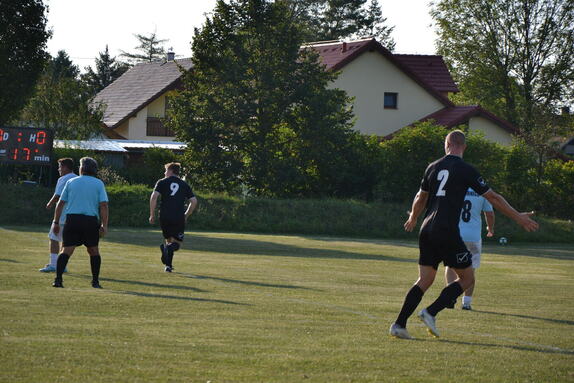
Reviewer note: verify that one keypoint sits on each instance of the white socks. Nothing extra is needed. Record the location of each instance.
(53, 259)
(466, 300)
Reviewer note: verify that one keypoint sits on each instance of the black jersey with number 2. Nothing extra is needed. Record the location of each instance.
(447, 180)
(174, 192)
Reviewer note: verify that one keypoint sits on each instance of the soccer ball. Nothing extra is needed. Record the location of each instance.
(503, 241)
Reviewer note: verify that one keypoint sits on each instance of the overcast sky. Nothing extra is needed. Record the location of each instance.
(83, 28)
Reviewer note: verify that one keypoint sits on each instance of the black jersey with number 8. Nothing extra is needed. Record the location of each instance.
(447, 180)
(174, 192)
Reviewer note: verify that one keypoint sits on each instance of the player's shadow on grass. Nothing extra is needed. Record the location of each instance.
(8, 260)
(177, 297)
(249, 283)
(549, 350)
(148, 284)
(559, 321)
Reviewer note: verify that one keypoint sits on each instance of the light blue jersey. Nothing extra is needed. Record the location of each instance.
(83, 195)
(470, 224)
(59, 189)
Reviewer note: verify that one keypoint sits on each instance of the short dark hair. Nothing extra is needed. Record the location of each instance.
(89, 166)
(67, 162)
(175, 167)
(457, 137)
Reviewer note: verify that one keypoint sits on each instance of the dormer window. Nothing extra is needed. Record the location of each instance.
(391, 100)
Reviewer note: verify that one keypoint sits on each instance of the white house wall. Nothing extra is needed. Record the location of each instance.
(367, 78)
(491, 131)
(136, 127)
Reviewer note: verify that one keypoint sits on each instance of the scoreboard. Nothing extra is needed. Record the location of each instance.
(26, 145)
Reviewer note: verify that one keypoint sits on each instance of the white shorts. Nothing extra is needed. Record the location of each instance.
(55, 237)
(475, 249)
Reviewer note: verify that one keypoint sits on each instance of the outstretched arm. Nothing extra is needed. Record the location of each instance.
(522, 219)
(419, 204)
(152, 206)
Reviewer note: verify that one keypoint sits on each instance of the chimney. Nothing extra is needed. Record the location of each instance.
(170, 54)
(344, 48)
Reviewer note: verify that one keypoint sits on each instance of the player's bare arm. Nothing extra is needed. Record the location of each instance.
(104, 215)
(191, 207)
(489, 217)
(54, 200)
(522, 219)
(418, 206)
(152, 206)
(57, 215)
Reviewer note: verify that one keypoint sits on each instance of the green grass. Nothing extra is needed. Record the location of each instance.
(262, 308)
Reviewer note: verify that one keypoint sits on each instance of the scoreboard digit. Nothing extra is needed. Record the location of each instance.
(26, 145)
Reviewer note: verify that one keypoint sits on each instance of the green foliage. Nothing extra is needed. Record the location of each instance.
(61, 102)
(152, 168)
(515, 57)
(107, 71)
(150, 49)
(340, 19)
(405, 158)
(256, 109)
(23, 37)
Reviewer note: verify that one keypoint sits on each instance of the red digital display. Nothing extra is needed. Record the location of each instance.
(26, 145)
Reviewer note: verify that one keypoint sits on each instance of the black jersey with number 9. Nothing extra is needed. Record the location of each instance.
(174, 192)
(447, 180)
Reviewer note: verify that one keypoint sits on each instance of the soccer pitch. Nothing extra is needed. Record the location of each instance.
(263, 308)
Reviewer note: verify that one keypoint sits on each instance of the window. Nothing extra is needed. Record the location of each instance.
(391, 100)
(155, 127)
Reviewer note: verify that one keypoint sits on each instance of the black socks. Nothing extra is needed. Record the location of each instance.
(411, 302)
(171, 248)
(61, 265)
(447, 295)
(95, 262)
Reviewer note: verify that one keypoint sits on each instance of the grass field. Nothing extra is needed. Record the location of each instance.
(261, 308)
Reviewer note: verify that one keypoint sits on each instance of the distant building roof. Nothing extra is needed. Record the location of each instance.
(457, 115)
(96, 145)
(430, 72)
(141, 144)
(138, 87)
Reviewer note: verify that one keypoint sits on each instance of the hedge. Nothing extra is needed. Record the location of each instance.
(129, 207)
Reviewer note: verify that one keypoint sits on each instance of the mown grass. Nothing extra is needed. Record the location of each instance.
(261, 308)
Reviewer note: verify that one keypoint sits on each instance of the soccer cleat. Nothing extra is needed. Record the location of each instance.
(163, 253)
(466, 307)
(168, 269)
(47, 269)
(399, 332)
(96, 285)
(57, 283)
(429, 321)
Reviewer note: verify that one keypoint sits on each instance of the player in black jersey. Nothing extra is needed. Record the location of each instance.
(174, 194)
(442, 192)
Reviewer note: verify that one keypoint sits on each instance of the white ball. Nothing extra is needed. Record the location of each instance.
(503, 241)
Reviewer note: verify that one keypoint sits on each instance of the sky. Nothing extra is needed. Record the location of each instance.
(83, 28)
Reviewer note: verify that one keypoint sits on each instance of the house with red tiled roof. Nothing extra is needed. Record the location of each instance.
(137, 101)
(392, 91)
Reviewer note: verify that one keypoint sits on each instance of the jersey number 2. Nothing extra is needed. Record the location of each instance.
(174, 188)
(442, 176)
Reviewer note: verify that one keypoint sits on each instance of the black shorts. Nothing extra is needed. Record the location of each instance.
(449, 249)
(81, 230)
(172, 227)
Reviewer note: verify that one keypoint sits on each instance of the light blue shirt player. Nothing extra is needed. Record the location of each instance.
(83, 195)
(470, 224)
(59, 189)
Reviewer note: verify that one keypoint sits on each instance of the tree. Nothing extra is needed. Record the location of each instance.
(61, 102)
(151, 49)
(107, 71)
(256, 111)
(516, 57)
(23, 38)
(339, 19)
